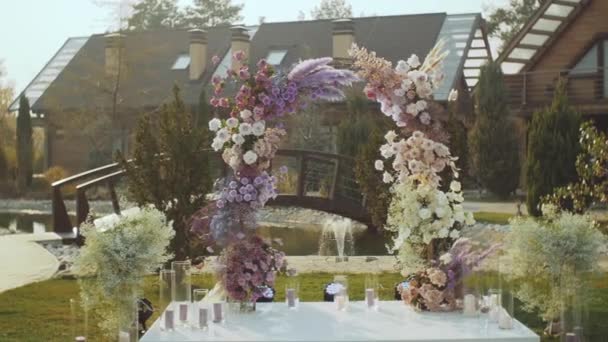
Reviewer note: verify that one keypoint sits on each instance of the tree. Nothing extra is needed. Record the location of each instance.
(355, 132)
(308, 131)
(6, 132)
(212, 13)
(504, 22)
(155, 14)
(170, 169)
(24, 144)
(553, 145)
(332, 9)
(493, 142)
(458, 143)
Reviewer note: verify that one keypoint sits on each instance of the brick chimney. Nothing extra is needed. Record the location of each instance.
(343, 37)
(198, 53)
(114, 52)
(240, 42)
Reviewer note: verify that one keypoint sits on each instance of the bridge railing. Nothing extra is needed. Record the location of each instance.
(315, 180)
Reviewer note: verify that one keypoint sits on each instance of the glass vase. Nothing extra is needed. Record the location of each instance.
(79, 320)
(292, 293)
(200, 308)
(341, 298)
(371, 291)
(573, 310)
(166, 299)
(128, 330)
(183, 289)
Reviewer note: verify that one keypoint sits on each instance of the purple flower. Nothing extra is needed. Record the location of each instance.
(244, 180)
(247, 198)
(239, 198)
(221, 204)
(232, 193)
(258, 180)
(283, 169)
(233, 185)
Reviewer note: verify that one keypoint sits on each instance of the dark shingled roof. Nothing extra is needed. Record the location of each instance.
(148, 77)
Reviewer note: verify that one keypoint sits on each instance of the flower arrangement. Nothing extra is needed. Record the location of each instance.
(437, 287)
(425, 220)
(550, 257)
(112, 263)
(248, 139)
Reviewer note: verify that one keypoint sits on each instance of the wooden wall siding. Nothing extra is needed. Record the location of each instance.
(575, 38)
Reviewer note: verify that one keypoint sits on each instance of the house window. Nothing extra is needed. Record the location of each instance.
(275, 57)
(595, 62)
(588, 64)
(182, 62)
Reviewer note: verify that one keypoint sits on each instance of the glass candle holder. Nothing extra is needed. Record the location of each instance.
(492, 302)
(166, 297)
(79, 320)
(128, 330)
(341, 298)
(371, 291)
(200, 308)
(183, 289)
(218, 312)
(292, 290)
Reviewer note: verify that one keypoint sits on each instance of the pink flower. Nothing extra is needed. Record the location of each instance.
(215, 60)
(437, 277)
(239, 55)
(244, 73)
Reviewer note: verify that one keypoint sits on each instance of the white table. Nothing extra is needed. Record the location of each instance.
(322, 322)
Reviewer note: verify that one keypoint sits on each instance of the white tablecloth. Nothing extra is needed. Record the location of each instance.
(322, 322)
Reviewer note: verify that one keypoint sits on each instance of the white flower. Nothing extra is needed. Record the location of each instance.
(215, 124)
(390, 136)
(407, 84)
(469, 219)
(245, 129)
(440, 212)
(223, 135)
(232, 123)
(387, 178)
(459, 216)
(399, 92)
(453, 96)
(425, 118)
(217, 144)
(421, 105)
(446, 258)
(405, 233)
(387, 151)
(379, 165)
(424, 213)
(412, 109)
(413, 61)
(250, 157)
(402, 68)
(259, 128)
(455, 186)
(238, 139)
(455, 234)
(443, 233)
(246, 114)
(424, 90)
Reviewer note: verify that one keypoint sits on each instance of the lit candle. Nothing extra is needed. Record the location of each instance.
(217, 312)
(291, 298)
(202, 318)
(124, 336)
(370, 297)
(504, 320)
(469, 307)
(183, 312)
(169, 317)
(80, 339)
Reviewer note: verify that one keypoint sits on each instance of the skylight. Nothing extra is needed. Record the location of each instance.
(182, 62)
(559, 10)
(275, 57)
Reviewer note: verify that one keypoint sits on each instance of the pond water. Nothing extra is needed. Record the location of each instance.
(296, 241)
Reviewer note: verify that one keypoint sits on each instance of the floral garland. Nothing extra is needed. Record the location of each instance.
(420, 214)
(248, 141)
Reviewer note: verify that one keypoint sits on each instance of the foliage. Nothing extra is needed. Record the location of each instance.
(6, 132)
(493, 142)
(177, 182)
(207, 13)
(553, 144)
(458, 143)
(155, 14)
(332, 9)
(309, 133)
(592, 169)
(113, 262)
(376, 192)
(55, 173)
(24, 145)
(354, 132)
(550, 254)
(505, 22)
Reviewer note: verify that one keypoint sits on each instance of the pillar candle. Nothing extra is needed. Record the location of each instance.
(124, 336)
(217, 312)
(469, 307)
(571, 337)
(504, 320)
(340, 301)
(291, 298)
(169, 320)
(183, 312)
(370, 297)
(202, 318)
(80, 339)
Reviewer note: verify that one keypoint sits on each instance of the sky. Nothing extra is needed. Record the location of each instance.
(31, 31)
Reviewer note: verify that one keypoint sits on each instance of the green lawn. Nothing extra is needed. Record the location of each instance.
(492, 217)
(41, 312)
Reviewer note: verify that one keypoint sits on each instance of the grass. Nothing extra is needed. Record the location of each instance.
(41, 311)
(492, 217)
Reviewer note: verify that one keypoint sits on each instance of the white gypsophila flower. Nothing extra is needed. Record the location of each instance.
(250, 157)
(413, 61)
(455, 186)
(258, 128)
(387, 177)
(215, 124)
(402, 68)
(245, 129)
(454, 234)
(424, 213)
(453, 96)
(223, 135)
(412, 109)
(238, 139)
(390, 136)
(217, 144)
(379, 165)
(246, 114)
(232, 123)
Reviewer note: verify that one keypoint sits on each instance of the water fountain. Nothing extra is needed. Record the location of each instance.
(337, 232)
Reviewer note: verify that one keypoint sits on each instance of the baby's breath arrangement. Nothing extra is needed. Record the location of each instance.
(112, 263)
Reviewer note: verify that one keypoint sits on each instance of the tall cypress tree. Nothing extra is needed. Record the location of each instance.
(493, 142)
(553, 145)
(24, 144)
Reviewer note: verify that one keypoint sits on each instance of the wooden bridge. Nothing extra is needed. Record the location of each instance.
(315, 180)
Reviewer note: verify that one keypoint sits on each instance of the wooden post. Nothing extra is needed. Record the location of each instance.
(61, 220)
(301, 175)
(115, 204)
